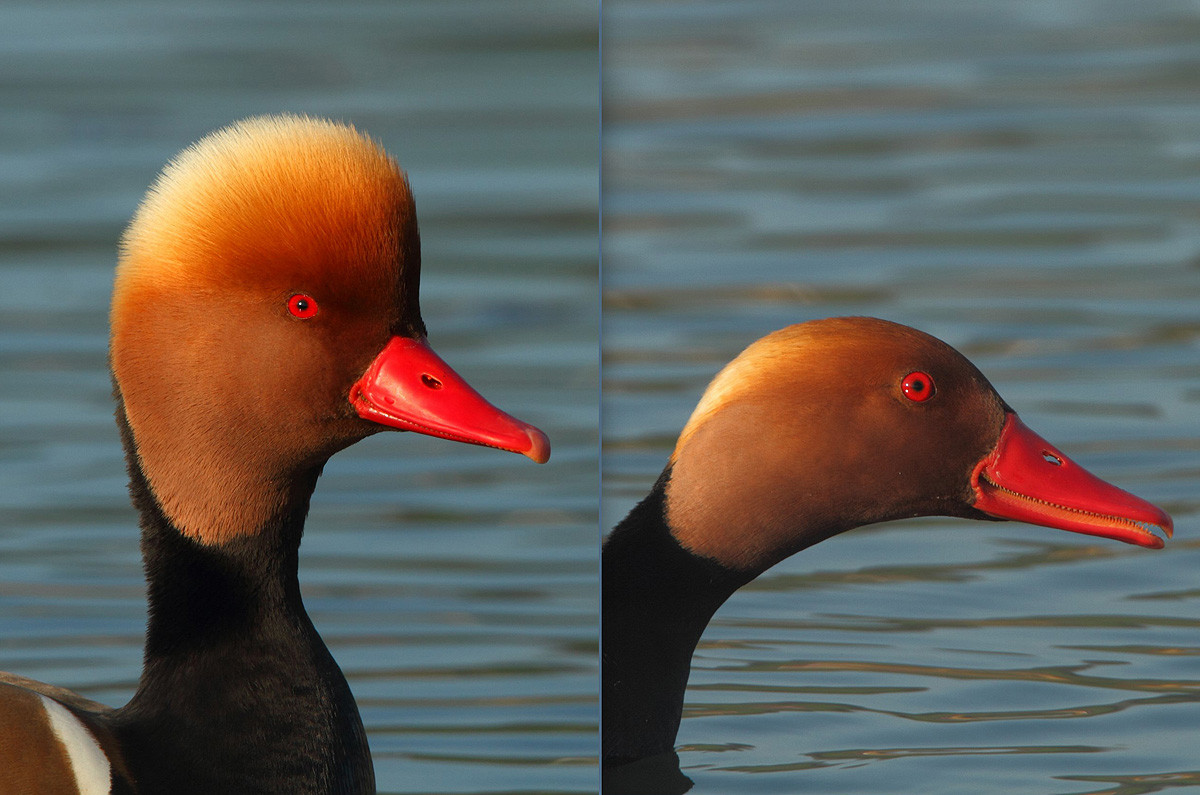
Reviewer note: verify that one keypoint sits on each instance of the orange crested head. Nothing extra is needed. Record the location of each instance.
(838, 423)
(265, 315)
(280, 203)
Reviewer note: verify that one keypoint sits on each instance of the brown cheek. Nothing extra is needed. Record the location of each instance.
(313, 389)
(220, 418)
(742, 488)
(961, 433)
(296, 385)
(934, 451)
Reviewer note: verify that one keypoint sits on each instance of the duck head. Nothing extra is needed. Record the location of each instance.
(265, 315)
(833, 424)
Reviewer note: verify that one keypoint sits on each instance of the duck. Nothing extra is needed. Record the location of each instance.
(812, 430)
(265, 315)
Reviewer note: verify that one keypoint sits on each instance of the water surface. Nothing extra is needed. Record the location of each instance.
(1020, 179)
(455, 585)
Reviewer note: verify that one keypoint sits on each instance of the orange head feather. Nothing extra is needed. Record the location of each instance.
(227, 400)
(286, 201)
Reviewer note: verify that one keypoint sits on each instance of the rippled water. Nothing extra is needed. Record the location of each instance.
(455, 585)
(1019, 178)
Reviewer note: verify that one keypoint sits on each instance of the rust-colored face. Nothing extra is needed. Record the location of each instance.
(829, 425)
(267, 269)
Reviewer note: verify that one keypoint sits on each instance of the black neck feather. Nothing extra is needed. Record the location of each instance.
(238, 692)
(657, 599)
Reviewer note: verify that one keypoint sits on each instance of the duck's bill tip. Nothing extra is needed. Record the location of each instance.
(1027, 479)
(408, 387)
(539, 446)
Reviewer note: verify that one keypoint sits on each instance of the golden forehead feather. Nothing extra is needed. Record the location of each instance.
(747, 369)
(798, 346)
(293, 182)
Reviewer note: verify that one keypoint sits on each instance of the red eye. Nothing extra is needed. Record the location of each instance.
(302, 306)
(917, 387)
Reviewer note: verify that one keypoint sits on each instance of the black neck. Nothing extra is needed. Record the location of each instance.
(657, 599)
(238, 692)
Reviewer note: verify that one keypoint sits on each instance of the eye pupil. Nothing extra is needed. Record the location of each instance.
(917, 387)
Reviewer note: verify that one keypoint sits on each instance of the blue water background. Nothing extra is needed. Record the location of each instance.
(1020, 178)
(455, 585)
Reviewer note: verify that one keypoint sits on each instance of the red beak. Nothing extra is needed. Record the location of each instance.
(1028, 479)
(409, 387)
